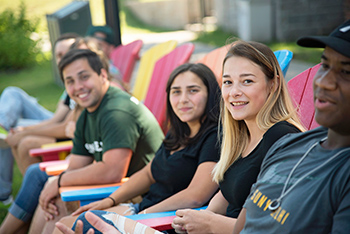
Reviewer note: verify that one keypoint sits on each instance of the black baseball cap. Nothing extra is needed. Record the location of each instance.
(338, 40)
(103, 29)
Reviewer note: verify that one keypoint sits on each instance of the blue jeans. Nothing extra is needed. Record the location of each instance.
(16, 105)
(28, 196)
(135, 208)
(17, 108)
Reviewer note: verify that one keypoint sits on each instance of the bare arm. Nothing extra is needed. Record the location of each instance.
(199, 191)
(211, 220)
(111, 169)
(240, 221)
(218, 204)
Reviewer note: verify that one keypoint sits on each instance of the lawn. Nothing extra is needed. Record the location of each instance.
(38, 82)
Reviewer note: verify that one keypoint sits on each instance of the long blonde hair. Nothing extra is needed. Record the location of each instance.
(278, 106)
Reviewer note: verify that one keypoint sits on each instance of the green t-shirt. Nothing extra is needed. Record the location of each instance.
(120, 121)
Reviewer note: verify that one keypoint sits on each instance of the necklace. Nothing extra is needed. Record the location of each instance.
(276, 203)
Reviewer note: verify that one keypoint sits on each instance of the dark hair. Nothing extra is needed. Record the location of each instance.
(75, 54)
(66, 36)
(179, 131)
(92, 45)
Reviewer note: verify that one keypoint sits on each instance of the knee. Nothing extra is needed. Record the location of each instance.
(11, 91)
(32, 171)
(27, 143)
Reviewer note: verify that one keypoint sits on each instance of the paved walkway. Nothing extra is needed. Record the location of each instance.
(200, 50)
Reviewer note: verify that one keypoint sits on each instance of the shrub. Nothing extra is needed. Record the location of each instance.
(17, 48)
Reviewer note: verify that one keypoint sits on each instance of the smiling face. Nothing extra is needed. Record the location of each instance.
(84, 85)
(244, 88)
(332, 91)
(188, 98)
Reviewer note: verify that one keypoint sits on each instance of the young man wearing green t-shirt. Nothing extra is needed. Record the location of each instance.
(114, 129)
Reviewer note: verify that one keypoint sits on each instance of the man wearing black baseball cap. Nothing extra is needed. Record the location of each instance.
(104, 36)
(304, 182)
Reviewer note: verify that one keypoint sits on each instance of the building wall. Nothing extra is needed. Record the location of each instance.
(295, 18)
(170, 14)
(289, 19)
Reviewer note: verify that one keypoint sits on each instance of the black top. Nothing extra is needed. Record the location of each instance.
(174, 173)
(240, 176)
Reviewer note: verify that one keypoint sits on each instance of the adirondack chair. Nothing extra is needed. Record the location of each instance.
(54, 167)
(300, 88)
(284, 57)
(54, 151)
(146, 67)
(156, 95)
(214, 60)
(160, 221)
(124, 58)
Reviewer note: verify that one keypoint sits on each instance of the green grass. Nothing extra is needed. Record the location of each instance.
(37, 82)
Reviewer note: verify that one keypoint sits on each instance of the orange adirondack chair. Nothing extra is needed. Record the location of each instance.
(214, 60)
(124, 58)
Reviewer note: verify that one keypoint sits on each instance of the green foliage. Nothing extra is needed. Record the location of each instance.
(17, 48)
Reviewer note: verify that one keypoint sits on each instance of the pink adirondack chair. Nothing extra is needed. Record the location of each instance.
(124, 58)
(156, 95)
(300, 88)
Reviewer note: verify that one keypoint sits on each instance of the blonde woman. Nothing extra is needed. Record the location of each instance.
(256, 111)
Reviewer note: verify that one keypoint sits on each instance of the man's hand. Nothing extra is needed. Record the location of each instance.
(94, 220)
(48, 196)
(192, 221)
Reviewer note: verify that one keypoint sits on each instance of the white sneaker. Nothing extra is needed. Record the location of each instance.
(3, 143)
(8, 201)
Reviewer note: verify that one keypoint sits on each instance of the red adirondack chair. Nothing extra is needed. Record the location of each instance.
(124, 58)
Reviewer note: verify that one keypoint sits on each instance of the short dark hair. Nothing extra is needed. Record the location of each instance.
(66, 36)
(75, 54)
(179, 131)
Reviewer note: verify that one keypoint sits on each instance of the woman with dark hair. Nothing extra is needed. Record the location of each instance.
(180, 174)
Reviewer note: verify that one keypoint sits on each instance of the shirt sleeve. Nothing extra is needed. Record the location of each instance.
(210, 149)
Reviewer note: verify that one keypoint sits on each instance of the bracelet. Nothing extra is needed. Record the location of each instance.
(59, 179)
(114, 204)
(144, 211)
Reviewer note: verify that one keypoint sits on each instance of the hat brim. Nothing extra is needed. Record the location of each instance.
(337, 44)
